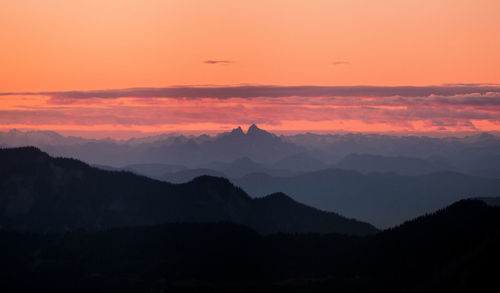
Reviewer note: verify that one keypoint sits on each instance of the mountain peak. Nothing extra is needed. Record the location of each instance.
(237, 131)
(278, 196)
(253, 127)
(254, 130)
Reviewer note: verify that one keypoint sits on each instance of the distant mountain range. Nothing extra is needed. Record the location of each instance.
(410, 166)
(380, 179)
(366, 187)
(121, 224)
(256, 144)
(383, 199)
(452, 250)
(45, 194)
(261, 151)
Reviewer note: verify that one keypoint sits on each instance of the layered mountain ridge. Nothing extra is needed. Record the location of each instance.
(41, 193)
(452, 250)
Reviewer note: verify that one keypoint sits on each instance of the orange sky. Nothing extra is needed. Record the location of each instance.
(85, 45)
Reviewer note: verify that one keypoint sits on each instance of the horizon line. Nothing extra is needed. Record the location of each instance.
(214, 133)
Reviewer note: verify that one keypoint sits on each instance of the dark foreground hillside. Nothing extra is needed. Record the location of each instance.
(39, 193)
(453, 250)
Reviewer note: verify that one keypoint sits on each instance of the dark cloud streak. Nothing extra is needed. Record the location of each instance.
(218, 62)
(341, 63)
(225, 92)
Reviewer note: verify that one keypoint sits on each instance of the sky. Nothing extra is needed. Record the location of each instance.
(75, 66)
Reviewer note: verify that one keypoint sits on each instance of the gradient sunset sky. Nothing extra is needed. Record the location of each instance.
(131, 68)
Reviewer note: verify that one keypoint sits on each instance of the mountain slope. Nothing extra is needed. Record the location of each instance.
(492, 201)
(299, 162)
(452, 250)
(189, 175)
(365, 163)
(384, 199)
(41, 193)
(153, 170)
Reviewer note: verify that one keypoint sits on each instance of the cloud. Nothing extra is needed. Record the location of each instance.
(453, 107)
(228, 112)
(218, 62)
(341, 63)
(246, 91)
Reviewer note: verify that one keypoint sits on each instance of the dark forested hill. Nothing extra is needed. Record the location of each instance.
(45, 194)
(452, 250)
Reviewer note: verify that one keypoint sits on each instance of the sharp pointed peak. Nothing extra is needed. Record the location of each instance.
(237, 131)
(254, 129)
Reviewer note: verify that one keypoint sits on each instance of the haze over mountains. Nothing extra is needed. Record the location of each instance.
(382, 199)
(67, 226)
(381, 179)
(122, 224)
(256, 144)
(304, 152)
(44, 194)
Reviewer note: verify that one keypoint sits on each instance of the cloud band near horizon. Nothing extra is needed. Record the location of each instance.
(253, 91)
(469, 107)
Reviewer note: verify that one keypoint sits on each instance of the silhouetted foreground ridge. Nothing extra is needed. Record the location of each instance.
(453, 250)
(43, 194)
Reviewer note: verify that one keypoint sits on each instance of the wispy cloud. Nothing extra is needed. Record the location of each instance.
(218, 62)
(341, 63)
(224, 92)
